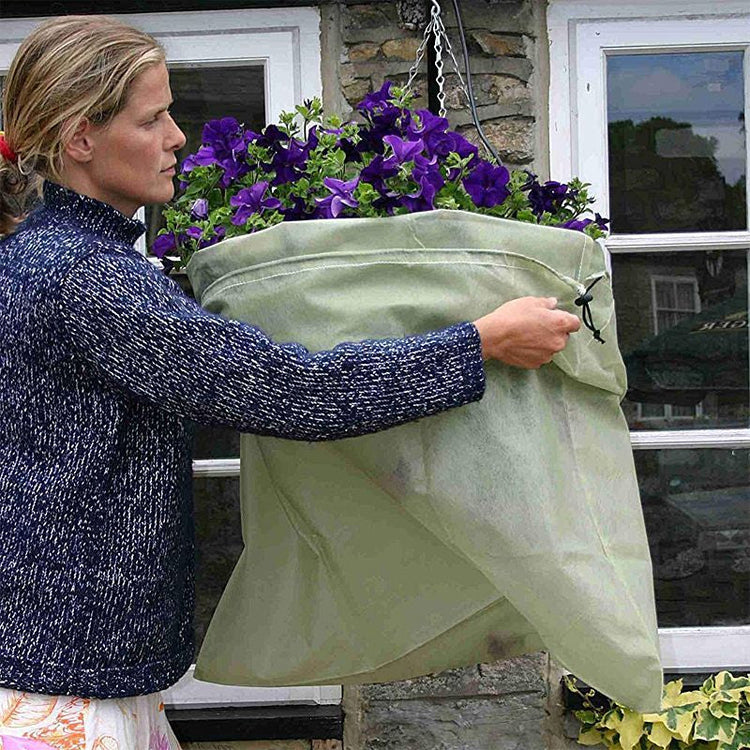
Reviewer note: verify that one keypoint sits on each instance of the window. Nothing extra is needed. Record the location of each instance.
(250, 64)
(648, 103)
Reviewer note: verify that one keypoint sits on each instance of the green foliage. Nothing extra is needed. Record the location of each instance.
(714, 717)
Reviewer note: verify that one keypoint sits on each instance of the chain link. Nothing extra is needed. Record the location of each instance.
(436, 28)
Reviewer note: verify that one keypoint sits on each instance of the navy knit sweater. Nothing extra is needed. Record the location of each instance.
(104, 365)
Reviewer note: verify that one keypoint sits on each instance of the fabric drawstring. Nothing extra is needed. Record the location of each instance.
(583, 301)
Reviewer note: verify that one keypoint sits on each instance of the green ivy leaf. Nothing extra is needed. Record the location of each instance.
(590, 737)
(659, 735)
(722, 708)
(631, 729)
(709, 727)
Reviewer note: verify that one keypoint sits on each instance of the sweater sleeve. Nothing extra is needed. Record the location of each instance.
(141, 334)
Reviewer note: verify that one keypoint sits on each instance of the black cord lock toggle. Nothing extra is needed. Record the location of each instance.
(583, 301)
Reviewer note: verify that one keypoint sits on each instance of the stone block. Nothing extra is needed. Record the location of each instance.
(363, 51)
(488, 90)
(522, 674)
(498, 723)
(326, 745)
(371, 22)
(506, 16)
(522, 108)
(498, 45)
(401, 49)
(356, 91)
(512, 137)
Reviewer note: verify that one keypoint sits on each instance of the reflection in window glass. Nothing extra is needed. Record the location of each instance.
(682, 329)
(207, 93)
(696, 504)
(218, 543)
(677, 142)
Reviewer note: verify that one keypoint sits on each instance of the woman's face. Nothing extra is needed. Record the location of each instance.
(133, 159)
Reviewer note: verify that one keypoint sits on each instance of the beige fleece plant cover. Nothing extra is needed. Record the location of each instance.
(502, 527)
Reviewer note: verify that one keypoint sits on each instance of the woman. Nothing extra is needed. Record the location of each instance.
(102, 361)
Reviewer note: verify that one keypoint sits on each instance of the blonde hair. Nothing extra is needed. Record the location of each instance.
(67, 69)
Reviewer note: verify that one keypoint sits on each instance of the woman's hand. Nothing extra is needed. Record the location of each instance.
(526, 332)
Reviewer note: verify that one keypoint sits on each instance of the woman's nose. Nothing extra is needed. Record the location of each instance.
(177, 136)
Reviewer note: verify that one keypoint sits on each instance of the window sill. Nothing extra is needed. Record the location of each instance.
(258, 723)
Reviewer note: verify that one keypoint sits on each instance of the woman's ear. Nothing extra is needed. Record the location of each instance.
(80, 147)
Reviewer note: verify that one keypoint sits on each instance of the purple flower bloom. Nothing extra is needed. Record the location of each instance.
(580, 224)
(195, 233)
(288, 163)
(250, 201)
(341, 196)
(404, 150)
(433, 131)
(219, 234)
(379, 170)
(548, 197)
(199, 209)
(163, 244)
(223, 144)
(487, 184)
(429, 178)
(376, 98)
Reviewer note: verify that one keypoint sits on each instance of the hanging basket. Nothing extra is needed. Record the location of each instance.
(503, 527)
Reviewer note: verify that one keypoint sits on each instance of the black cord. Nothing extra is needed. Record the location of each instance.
(584, 301)
(470, 90)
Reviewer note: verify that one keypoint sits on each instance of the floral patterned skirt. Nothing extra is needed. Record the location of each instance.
(30, 721)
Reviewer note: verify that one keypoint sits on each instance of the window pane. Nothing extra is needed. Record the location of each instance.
(206, 93)
(693, 359)
(696, 504)
(215, 442)
(218, 543)
(677, 142)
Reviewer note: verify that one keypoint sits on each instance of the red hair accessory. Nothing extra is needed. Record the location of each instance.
(8, 153)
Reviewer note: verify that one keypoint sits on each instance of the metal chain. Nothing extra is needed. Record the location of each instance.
(437, 27)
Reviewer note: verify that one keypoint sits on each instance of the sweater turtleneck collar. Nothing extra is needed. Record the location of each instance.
(92, 214)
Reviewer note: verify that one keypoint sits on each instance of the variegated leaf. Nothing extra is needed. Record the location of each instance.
(709, 727)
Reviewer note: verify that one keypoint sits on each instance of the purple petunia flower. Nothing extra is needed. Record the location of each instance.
(288, 163)
(547, 197)
(250, 201)
(487, 184)
(341, 195)
(223, 144)
(427, 175)
(433, 131)
(163, 244)
(404, 150)
(376, 99)
(378, 171)
(195, 233)
(580, 224)
(199, 209)
(219, 234)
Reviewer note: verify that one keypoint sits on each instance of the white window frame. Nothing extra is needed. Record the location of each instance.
(286, 42)
(581, 33)
(667, 413)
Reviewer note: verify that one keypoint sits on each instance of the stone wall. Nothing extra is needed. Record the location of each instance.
(509, 705)
(367, 43)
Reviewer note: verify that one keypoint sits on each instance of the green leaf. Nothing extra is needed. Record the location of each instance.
(727, 681)
(709, 727)
(659, 735)
(590, 737)
(586, 717)
(721, 708)
(631, 729)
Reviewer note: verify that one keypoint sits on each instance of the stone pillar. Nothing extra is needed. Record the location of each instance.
(499, 706)
(506, 41)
